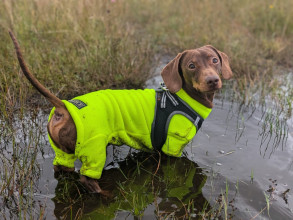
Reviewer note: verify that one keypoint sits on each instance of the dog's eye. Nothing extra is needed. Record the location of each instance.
(215, 60)
(191, 66)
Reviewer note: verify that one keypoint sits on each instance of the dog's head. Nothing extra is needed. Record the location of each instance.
(200, 69)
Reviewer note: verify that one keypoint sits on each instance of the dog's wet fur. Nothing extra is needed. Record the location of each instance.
(198, 71)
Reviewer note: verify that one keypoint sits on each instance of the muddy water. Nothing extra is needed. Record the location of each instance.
(233, 158)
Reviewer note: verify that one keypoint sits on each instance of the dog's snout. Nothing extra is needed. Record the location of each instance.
(212, 80)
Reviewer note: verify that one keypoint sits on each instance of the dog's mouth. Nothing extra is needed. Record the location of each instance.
(209, 91)
(206, 88)
(212, 90)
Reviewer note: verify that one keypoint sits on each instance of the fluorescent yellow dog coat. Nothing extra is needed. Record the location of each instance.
(121, 117)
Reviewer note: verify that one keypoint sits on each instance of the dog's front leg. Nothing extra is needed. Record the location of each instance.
(93, 186)
(60, 170)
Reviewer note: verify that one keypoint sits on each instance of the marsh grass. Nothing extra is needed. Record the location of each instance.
(18, 167)
(77, 47)
(74, 47)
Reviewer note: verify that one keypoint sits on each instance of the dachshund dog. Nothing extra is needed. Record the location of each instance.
(150, 120)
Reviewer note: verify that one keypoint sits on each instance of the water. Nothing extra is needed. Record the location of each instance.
(258, 166)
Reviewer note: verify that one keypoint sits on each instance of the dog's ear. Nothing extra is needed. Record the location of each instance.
(171, 76)
(226, 70)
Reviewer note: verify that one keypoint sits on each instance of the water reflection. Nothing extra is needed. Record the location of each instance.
(143, 185)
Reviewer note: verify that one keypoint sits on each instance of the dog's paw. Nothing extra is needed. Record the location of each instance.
(91, 184)
(107, 195)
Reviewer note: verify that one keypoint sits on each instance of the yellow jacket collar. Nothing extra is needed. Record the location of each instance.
(195, 105)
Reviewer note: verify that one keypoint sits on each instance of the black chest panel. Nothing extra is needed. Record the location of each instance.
(168, 105)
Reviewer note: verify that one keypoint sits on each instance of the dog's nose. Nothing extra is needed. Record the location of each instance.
(212, 80)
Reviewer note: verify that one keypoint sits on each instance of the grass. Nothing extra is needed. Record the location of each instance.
(74, 47)
(77, 47)
(85, 46)
(19, 168)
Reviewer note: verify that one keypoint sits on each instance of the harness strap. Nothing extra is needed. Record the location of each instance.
(168, 105)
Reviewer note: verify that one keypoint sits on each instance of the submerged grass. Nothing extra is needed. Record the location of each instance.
(74, 47)
(157, 188)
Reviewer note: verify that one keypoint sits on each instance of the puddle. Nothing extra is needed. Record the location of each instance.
(256, 165)
(234, 165)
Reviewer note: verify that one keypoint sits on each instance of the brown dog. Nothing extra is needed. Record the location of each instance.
(198, 72)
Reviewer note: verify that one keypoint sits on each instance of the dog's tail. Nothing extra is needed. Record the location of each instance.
(43, 90)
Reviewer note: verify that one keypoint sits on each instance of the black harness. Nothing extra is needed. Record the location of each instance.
(168, 105)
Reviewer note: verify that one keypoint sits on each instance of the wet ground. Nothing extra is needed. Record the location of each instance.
(238, 166)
